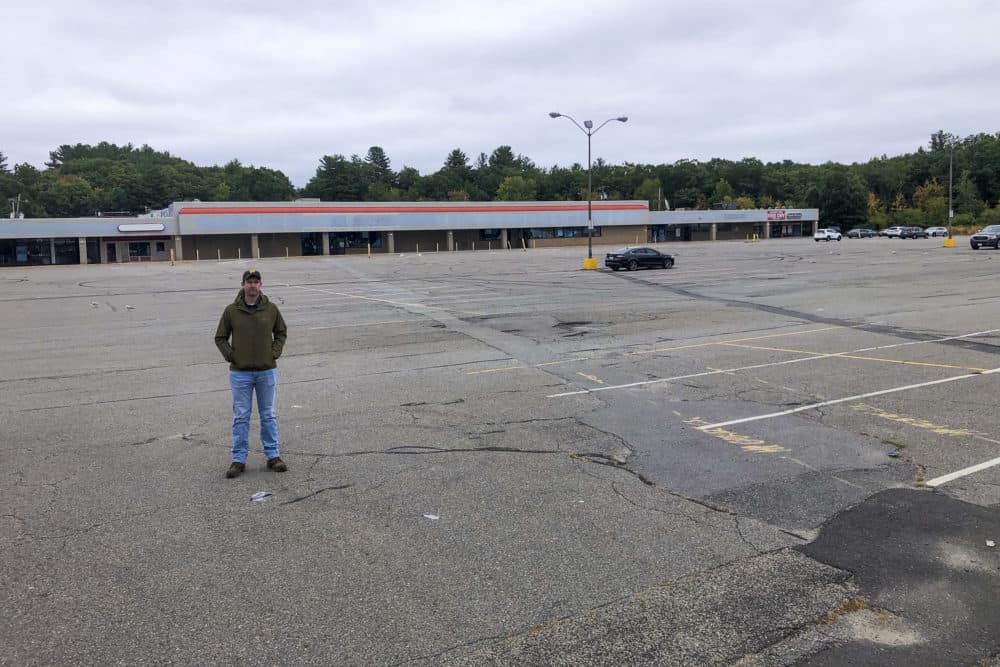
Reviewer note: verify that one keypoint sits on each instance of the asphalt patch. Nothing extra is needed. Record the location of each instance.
(923, 556)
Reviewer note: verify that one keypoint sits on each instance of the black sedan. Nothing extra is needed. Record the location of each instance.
(989, 235)
(638, 258)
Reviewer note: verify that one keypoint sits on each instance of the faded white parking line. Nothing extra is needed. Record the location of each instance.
(847, 399)
(813, 357)
(938, 481)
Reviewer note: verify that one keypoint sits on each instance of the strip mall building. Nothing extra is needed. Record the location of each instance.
(225, 230)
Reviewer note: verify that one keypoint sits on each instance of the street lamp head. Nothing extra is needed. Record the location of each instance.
(588, 124)
(622, 119)
(554, 114)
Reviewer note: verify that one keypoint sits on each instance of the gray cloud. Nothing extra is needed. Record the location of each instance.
(280, 85)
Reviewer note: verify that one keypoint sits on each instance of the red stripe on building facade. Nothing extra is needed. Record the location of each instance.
(405, 209)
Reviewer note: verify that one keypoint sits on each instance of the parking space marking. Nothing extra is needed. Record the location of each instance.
(924, 424)
(942, 430)
(774, 363)
(944, 479)
(501, 369)
(845, 355)
(592, 378)
(386, 301)
(847, 399)
(744, 442)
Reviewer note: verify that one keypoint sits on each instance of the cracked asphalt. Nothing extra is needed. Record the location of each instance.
(499, 458)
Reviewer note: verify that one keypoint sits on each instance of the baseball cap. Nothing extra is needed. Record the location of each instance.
(249, 274)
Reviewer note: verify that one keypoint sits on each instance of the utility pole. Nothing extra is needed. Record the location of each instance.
(15, 207)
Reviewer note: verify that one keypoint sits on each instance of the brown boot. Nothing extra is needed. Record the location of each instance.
(235, 469)
(276, 464)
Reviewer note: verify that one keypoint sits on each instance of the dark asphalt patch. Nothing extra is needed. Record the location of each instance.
(923, 556)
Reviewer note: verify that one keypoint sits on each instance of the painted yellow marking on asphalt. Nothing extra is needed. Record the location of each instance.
(735, 340)
(386, 301)
(746, 443)
(925, 424)
(692, 346)
(845, 399)
(845, 355)
(592, 378)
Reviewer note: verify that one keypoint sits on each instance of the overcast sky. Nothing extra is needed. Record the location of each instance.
(280, 84)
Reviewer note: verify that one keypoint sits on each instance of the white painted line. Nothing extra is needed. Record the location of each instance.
(938, 481)
(812, 357)
(846, 399)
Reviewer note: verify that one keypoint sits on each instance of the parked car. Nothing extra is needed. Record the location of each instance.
(861, 233)
(989, 235)
(637, 258)
(891, 232)
(826, 235)
(912, 233)
(937, 231)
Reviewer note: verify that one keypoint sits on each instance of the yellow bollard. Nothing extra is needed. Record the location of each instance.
(171, 257)
(369, 251)
(197, 255)
(524, 248)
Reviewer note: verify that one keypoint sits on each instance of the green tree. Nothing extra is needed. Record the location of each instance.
(517, 188)
(967, 198)
(723, 191)
(841, 196)
(336, 179)
(931, 199)
(66, 196)
(650, 189)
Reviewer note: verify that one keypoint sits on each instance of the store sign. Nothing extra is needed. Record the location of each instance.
(142, 227)
(775, 214)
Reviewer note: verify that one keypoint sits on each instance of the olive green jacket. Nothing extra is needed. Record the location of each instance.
(257, 336)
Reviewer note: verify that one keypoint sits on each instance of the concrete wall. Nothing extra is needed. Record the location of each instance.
(275, 245)
(619, 236)
(426, 239)
(209, 246)
(739, 231)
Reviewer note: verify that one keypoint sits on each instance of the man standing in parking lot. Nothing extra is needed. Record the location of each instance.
(251, 335)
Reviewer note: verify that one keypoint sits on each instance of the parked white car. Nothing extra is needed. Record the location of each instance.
(937, 231)
(826, 235)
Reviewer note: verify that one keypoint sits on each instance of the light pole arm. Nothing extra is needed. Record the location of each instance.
(572, 120)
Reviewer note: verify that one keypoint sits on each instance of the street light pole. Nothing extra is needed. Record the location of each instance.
(951, 159)
(589, 129)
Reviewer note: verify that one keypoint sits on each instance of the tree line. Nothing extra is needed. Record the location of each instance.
(911, 189)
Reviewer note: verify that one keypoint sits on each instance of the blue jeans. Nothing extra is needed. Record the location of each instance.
(243, 384)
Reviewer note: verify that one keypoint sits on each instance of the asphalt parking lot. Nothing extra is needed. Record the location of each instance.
(774, 453)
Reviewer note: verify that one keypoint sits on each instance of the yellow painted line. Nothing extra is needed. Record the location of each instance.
(735, 340)
(522, 366)
(857, 397)
(845, 355)
(744, 442)
(502, 369)
(924, 424)
(386, 301)
(592, 378)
